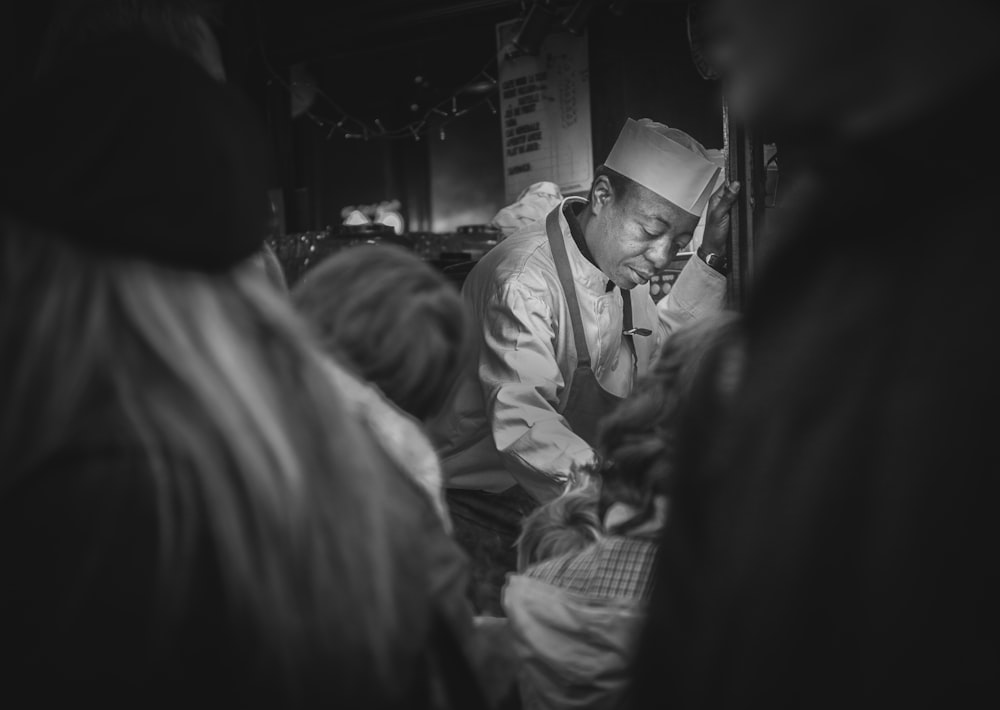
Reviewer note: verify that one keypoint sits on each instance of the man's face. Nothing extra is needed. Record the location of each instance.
(636, 235)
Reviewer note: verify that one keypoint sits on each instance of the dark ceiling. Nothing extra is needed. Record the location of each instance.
(368, 56)
(295, 29)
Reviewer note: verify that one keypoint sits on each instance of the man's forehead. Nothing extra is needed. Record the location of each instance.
(648, 206)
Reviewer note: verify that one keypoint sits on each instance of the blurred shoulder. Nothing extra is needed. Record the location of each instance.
(400, 436)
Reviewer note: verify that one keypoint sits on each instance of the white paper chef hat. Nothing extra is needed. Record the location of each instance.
(667, 161)
(717, 157)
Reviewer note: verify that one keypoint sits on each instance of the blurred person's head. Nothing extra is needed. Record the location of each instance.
(639, 440)
(393, 319)
(645, 201)
(562, 525)
(129, 310)
(182, 25)
(839, 63)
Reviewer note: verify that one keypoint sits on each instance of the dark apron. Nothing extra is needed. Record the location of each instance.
(587, 402)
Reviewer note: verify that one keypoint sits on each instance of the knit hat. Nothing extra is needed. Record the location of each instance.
(131, 149)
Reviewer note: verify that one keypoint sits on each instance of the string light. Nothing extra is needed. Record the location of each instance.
(413, 129)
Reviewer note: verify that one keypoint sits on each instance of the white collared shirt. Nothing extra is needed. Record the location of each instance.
(502, 424)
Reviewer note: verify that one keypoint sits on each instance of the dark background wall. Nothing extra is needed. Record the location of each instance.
(640, 67)
(466, 171)
(21, 27)
(368, 56)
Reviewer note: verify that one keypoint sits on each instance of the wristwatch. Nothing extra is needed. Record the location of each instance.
(719, 262)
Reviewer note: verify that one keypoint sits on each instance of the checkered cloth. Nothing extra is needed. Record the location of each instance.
(612, 568)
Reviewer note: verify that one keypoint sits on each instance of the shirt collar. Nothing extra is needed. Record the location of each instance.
(571, 207)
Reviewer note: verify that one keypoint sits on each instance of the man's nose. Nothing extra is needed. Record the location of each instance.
(659, 253)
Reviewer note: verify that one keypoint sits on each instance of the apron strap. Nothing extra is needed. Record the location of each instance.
(565, 273)
(627, 323)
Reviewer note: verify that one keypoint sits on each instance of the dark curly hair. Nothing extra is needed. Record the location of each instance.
(638, 441)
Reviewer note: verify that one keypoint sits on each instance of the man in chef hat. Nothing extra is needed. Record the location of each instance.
(566, 325)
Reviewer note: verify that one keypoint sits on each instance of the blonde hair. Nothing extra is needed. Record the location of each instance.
(568, 523)
(245, 436)
(393, 319)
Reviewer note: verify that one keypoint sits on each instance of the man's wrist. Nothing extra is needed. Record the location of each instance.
(715, 259)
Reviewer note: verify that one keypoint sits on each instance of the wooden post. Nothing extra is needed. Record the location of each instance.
(744, 162)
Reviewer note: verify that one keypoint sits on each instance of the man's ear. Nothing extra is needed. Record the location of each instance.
(601, 194)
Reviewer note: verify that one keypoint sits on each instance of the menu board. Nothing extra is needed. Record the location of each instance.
(545, 112)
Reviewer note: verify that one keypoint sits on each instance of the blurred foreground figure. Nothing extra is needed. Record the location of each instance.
(575, 615)
(837, 545)
(391, 318)
(395, 332)
(397, 325)
(190, 516)
(183, 25)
